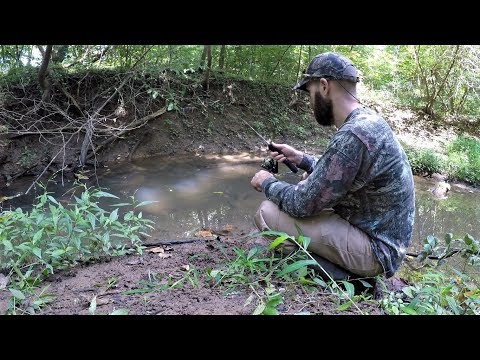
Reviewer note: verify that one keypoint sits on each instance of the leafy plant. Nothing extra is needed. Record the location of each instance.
(52, 236)
(464, 159)
(424, 160)
(439, 292)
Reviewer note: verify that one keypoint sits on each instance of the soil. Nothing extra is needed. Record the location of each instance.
(203, 123)
(107, 281)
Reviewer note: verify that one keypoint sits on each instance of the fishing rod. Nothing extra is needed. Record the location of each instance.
(287, 162)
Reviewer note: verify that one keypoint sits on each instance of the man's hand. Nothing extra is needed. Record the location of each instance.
(258, 179)
(287, 152)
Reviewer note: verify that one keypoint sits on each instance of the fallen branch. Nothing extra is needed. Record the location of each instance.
(133, 126)
(172, 242)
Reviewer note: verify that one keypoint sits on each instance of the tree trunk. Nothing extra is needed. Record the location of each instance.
(206, 79)
(204, 56)
(170, 55)
(299, 61)
(43, 71)
(278, 62)
(436, 90)
(221, 58)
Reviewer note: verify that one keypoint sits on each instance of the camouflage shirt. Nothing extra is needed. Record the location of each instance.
(364, 175)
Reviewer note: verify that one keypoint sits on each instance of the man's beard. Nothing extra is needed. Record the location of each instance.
(323, 110)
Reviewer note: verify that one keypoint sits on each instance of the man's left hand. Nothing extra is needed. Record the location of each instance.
(258, 179)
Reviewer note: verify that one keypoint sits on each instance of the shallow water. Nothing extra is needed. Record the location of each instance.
(215, 193)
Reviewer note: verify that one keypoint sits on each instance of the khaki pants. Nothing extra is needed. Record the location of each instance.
(332, 237)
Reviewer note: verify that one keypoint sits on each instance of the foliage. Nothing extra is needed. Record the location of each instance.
(437, 78)
(461, 160)
(261, 268)
(464, 159)
(52, 236)
(447, 292)
(424, 160)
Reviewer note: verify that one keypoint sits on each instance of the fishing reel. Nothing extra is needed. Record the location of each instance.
(270, 165)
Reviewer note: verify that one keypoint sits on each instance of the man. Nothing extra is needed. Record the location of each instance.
(357, 202)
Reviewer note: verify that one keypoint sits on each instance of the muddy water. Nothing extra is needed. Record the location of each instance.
(215, 193)
(191, 193)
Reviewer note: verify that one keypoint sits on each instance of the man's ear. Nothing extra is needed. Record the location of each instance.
(324, 86)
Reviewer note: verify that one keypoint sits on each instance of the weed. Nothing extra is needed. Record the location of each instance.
(437, 292)
(51, 236)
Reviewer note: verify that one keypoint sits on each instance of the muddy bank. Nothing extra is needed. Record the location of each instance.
(90, 121)
(135, 283)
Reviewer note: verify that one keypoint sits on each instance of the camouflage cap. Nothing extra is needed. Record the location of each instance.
(329, 65)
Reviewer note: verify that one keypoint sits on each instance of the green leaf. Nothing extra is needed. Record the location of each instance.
(214, 273)
(8, 245)
(278, 241)
(92, 219)
(114, 215)
(104, 194)
(349, 288)
(252, 252)
(37, 252)
(432, 241)
(121, 204)
(58, 252)
(52, 199)
(146, 202)
(170, 106)
(448, 238)
(408, 291)
(259, 309)
(120, 312)
(453, 305)
(320, 282)
(365, 283)
(408, 310)
(295, 266)
(274, 301)
(468, 239)
(345, 305)
(17, 294)
(270, 311)
(37, 236)
(305, 241)
(271, 232)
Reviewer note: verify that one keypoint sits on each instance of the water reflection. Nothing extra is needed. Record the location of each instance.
(194, 192)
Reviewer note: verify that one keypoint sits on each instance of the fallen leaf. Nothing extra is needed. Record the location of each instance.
(157, 249)
(168, 248)
(164, 256)
(81, 176)
(228, 228)
(204, 233)
(3, 281)
(102, 301)
(185, 267)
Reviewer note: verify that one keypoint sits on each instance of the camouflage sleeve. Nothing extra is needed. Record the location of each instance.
(308, 163)
(330, 180)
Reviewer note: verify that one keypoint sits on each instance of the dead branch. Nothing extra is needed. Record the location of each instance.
(87, 140)
(133, 126)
